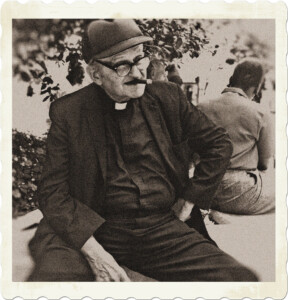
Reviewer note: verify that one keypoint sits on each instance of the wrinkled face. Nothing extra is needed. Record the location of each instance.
(114, 85)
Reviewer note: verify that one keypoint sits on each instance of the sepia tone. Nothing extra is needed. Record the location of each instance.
(205, 74)
(199, 55)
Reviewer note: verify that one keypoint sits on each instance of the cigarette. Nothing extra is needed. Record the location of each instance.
(144, 81)
(139, 81)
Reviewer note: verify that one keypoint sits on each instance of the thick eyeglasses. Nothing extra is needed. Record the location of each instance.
(124, 69)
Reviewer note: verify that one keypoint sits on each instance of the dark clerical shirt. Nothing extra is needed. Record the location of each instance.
(137, 181)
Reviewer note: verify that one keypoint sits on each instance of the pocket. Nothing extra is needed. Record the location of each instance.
(254, 175)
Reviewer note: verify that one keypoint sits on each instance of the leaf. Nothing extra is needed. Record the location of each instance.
(198, 25)
(25, 76)
(44, 92)
(60, 56)
(68, 57)
(48, 80)
(42, 64)
(32, 186)
(52, 97)
(184, 21)
(230, 61)
(37, 169)
(178, 43)
(28, 163)
(56, 88)
(16, 70)
(34, 74)
(46, 98)
(194, 54)
(174, 25)
(43, 86)
(166, 50)
(30, 91)
(16, 194)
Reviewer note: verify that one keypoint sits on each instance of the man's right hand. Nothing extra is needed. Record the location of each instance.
(103, 265)
(183, 209)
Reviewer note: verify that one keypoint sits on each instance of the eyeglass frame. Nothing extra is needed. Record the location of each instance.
(114, 68)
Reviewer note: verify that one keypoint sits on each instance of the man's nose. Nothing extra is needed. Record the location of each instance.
(136, 72)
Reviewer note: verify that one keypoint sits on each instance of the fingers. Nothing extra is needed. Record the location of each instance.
(124, 277)
(177, 207)
(121, 278)
(102, 278)
(112, 276)
(105, 267)
(182, 209)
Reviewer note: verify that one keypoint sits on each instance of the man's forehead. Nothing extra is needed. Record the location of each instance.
(126, 54)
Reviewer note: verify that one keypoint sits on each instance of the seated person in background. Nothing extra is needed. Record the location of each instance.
(249, 127)
(173, 75)
(156, 70)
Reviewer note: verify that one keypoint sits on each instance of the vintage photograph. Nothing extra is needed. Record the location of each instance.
(144, 152)
(157, 151)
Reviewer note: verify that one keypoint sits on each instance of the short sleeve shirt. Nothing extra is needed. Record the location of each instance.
(246, 122)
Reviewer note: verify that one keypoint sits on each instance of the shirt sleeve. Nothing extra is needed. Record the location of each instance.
(265, 140)
(214, 147)
(71, 219)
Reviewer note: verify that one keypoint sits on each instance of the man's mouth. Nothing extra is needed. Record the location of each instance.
(139, 81)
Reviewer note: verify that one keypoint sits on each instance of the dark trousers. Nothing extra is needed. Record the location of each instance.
(161, 247)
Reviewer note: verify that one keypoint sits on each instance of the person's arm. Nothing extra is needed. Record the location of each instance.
(265, 143)
(214, 147)
(71, 219)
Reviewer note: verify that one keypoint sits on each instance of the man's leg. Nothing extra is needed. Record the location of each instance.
(166, 249)
(244, 193)
(266, 203)
(56, 261)
(175, 252)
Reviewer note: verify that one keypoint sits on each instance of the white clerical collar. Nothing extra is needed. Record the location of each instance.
(120, 106)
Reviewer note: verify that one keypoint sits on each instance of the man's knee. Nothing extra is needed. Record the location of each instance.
(39, 275)
(59, 263)
(242, 273)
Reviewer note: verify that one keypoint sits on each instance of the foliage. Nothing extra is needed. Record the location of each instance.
(28, 158)
(36, 41)
(173, 38)
(247, 46)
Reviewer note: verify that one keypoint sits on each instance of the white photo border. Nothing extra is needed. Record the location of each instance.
(147, 9)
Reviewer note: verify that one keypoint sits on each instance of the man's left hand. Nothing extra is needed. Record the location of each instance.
(182, 209)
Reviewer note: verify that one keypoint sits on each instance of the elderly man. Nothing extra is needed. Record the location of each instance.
(249, 127)
(117, 161)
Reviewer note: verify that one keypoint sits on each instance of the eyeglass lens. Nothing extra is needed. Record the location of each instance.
(124, 69)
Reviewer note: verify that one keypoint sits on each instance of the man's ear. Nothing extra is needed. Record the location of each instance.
(152, 74)
(94, 74)
(260, 85)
